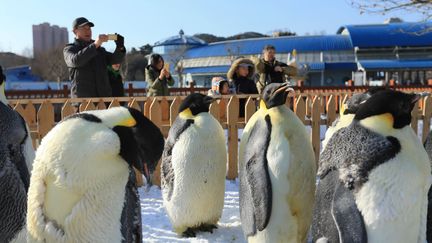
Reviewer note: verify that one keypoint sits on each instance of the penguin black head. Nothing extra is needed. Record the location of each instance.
(275, 94)
(352, 105)
(396, 103)
(197, 103)
(140, 144)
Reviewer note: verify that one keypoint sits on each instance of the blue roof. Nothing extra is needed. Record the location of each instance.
(396, 64)
(314, 66)
(21, 73)
(209, 69)
(181, 40)
(389, 35)
(283, 44)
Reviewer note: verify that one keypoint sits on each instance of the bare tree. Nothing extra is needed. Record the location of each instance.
(176, 56)
(233, 51)
(51, 65)
(422, 7)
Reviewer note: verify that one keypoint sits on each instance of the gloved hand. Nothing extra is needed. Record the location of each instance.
(120, 41)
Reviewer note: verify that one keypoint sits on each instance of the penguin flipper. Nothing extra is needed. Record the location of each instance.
(429, 217)
(346, 215)
(323, 224)
(131, 223)
(167, 171)
(258, 185)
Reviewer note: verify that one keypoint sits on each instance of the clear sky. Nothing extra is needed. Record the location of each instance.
(145, 21)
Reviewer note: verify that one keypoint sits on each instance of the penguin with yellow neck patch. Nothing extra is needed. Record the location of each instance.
(81, 187)
(277, 172)
(348, 111)
(374, 177)
(193, 168)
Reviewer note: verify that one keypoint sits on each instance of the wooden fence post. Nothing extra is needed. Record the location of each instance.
(300, 109)
(156, 117)
(414, 117)
(114, 103)
(250, 109)
(232, 117)
(315, 124)
(147, 105)
(90, 106)
(101, 105)
(214, 110)
(331, 110)
(134, 104)
(165, 109)
(45, 118)
(174, 109)
(67, 109)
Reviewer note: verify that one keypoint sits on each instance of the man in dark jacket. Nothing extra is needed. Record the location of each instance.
(87, 61)
(270, 70)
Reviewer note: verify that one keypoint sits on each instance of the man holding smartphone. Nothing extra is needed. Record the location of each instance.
(87, 60)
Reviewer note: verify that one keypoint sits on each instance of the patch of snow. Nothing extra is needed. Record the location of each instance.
(156, 226)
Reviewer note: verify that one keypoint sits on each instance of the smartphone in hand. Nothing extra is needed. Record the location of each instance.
(112, 37)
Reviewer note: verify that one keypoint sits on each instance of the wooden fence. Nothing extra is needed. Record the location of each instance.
(314, 109)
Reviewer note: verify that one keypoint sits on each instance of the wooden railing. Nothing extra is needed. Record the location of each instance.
(131, 91)
(313, 109)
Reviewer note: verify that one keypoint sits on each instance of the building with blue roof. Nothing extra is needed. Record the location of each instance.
(399, 51)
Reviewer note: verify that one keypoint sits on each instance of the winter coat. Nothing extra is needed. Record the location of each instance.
(87, 68)
(156, 86)
(267, 74)
(116, 82)
(243, 85)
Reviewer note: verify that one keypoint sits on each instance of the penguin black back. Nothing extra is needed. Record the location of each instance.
(197, 103)
(397, 103)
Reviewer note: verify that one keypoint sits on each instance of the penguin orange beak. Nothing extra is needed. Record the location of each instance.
(284, 88)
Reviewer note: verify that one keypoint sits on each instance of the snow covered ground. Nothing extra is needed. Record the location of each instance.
(156, 226)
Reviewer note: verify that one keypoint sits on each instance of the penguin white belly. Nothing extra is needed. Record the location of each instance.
(282, 226)
(394, 199)
(199, 163)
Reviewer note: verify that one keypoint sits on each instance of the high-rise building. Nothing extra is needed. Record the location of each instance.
(47, 37)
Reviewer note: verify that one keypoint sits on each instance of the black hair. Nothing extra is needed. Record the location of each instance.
(269, 47)
(154, 59)
(221, 83)
(2, 76)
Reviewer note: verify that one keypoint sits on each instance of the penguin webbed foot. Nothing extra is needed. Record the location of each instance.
(207, 228)
(189, 233)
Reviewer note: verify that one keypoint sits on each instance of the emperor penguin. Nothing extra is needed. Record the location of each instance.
(374, 177)
(194, 168)
(277, 172)
(80, 184)
(16, 157)
(347, 112)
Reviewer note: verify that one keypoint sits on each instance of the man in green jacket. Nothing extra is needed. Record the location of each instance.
(158, 77)
(270, 70)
